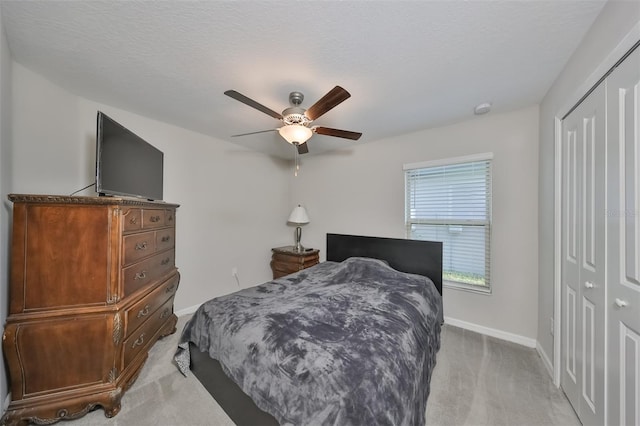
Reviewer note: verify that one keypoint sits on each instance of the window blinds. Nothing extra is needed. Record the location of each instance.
(452, 203)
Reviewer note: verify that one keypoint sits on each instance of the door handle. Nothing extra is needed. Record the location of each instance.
(588, 284)
(621, 303)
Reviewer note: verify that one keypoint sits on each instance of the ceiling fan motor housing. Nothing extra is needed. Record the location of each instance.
(295, 115)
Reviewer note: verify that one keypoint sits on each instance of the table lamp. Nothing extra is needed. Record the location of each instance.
(299, 218)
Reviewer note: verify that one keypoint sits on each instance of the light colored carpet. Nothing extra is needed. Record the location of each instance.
(478, 380)
(481, 380)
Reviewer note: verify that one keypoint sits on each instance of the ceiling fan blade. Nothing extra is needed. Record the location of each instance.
(248, 101)
(335, 96)
(253, 133)
(337, 133)
(302, 148)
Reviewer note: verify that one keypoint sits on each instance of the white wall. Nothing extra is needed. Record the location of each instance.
(361, 191)
(583, 69)
(234, 202)
(5, 187)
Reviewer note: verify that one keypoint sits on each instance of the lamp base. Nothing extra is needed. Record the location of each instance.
(297, 247)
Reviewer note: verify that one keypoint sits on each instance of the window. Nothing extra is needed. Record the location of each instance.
(450, 201)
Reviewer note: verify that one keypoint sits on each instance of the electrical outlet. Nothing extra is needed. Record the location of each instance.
(551, 325)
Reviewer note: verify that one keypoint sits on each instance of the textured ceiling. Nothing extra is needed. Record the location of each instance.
(409, 65)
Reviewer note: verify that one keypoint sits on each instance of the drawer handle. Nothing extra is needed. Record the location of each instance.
(165, 313)
(143, 312)
(141, 246)
(133, 220)
(138, 341)
(140, 275)
(165, 261)
(171, 288)
(154, 219)
(166, 238)
(170, 218)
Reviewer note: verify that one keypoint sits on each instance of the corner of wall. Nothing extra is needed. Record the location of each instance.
(5, 187)
(545, 359)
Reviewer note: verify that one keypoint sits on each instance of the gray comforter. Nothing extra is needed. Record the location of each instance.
(350, 343)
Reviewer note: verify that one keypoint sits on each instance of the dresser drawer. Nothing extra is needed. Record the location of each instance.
(145, 334)
(132, 219)
(293, 263)
(141, 274)
(297, 259)
(165, 239)
(152, 218)
(146, 308)
(282, 269)
(170, 217)
(137, 246)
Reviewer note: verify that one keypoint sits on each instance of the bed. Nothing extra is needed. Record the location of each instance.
(351, 340)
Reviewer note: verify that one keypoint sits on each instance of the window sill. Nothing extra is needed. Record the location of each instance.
(467, 287)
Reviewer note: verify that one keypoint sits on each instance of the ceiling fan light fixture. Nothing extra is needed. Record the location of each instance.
(295, 133)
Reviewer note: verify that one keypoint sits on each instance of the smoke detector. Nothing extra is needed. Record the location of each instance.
(482, 108)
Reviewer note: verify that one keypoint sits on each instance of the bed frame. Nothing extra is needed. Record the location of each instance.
(412, 256)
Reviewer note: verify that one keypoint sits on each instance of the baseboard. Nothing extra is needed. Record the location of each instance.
(545, 359)
(187, 311)
(499, 334)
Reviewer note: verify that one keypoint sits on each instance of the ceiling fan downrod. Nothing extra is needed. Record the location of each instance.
(296, 98)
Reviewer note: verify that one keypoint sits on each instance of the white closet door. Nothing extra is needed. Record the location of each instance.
(623, 97)
(584, 257)
(571, 330)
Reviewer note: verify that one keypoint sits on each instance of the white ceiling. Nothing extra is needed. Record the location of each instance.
(409, 65)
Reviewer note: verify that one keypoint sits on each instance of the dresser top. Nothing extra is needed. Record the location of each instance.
(67, 199)
(292, 250)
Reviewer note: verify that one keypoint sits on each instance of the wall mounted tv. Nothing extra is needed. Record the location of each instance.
(125, 163)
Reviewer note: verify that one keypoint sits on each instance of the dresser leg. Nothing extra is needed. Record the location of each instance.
(113, 406)
(169, 327)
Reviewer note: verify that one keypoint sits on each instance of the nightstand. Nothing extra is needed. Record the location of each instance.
(285, 260)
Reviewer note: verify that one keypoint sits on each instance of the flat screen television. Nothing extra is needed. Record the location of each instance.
(125, 163)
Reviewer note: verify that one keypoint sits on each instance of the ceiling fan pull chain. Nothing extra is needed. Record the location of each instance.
(297, 165)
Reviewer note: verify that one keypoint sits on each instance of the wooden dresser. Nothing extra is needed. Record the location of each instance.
(285, 260)
(91, 290)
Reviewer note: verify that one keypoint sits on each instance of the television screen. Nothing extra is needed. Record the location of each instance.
(125, 163)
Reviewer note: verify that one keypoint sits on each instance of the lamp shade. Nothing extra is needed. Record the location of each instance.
(299, 216)
(295, 133)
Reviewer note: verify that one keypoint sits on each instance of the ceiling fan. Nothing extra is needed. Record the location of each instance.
(297, 122)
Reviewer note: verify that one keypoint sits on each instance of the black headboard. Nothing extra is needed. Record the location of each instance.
(412, 256)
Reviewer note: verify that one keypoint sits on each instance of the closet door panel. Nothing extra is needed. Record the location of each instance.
(623, 156)
(584, 264)
(593, 252)
(571, 330)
